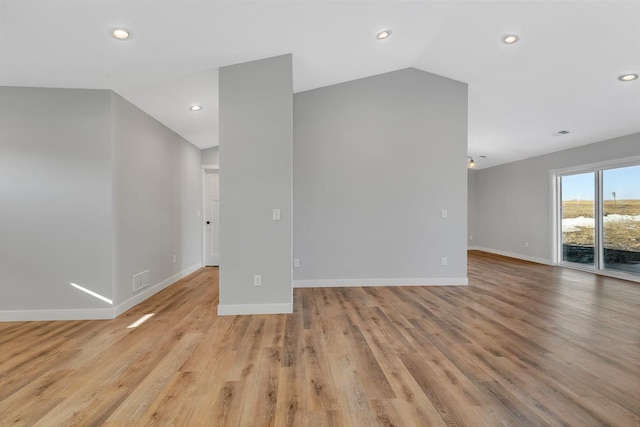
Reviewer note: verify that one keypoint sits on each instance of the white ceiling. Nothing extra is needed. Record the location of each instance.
(562, 75)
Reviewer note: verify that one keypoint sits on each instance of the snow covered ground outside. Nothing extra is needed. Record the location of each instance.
(574, 224)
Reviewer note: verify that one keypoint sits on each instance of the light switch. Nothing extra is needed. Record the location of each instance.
(276, 214)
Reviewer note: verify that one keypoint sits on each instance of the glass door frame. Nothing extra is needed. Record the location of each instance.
(556, 216)
(558, 237)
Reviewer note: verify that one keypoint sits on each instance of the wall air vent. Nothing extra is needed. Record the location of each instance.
(140, 280)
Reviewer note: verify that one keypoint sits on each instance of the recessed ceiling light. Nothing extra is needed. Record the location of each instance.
(510, 38)
(195, 108)
(121, 33)
(383, 34)
(627, 77)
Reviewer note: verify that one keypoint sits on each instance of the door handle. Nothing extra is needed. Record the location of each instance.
(208, 222)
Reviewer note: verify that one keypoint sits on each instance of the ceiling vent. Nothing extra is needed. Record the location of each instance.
(560, 132)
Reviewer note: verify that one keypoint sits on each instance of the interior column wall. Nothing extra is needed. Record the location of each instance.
(256, 120)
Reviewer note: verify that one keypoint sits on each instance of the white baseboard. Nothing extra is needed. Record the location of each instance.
(414, 281)
(234, 309)
(150, 291)
(48, 315)
(511, 255)
(93, 313)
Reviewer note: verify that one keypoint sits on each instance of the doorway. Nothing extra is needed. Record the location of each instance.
(211, 217)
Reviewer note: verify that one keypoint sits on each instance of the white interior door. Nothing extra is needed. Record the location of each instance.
(212, 218)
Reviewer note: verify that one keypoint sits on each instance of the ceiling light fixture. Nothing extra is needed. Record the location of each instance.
(383, 34)
(471, 164)
(195, 108)
(510, 38)
(121, 33)
(627, 77)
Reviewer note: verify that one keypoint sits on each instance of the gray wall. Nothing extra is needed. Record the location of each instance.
(55, 198)
(513, 204)
(156, 196)
(256, 119)
(92, 190)
(376, 160)
(210, 156)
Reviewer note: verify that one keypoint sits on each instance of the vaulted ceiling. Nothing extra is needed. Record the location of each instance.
(562, 74)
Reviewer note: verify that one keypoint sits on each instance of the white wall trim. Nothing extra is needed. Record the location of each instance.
(413, 281)
(49, 315)
(608, 273)
(148, 292)
(511, 255)
(593, 167)
(211, 167)
(93, 313)
(235, 309)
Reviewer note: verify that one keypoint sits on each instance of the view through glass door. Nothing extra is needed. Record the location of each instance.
(578, 223)
(621, 219)
(600, 217)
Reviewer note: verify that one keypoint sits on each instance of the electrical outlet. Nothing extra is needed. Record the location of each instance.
(526, 244)
(444, 260)
(444, 214)
(470, 236)
(276, 215)
(175, 259)
(257, 280)
(296, 262)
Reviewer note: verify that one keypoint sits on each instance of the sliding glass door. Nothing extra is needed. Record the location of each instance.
(578, 223)
(621, 219)
(599, 212)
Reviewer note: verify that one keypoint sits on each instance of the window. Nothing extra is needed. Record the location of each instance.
(599, 219)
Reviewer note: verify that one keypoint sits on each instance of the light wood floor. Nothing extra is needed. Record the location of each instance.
(523, 344)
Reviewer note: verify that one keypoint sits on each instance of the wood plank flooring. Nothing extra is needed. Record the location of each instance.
(522, 345)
